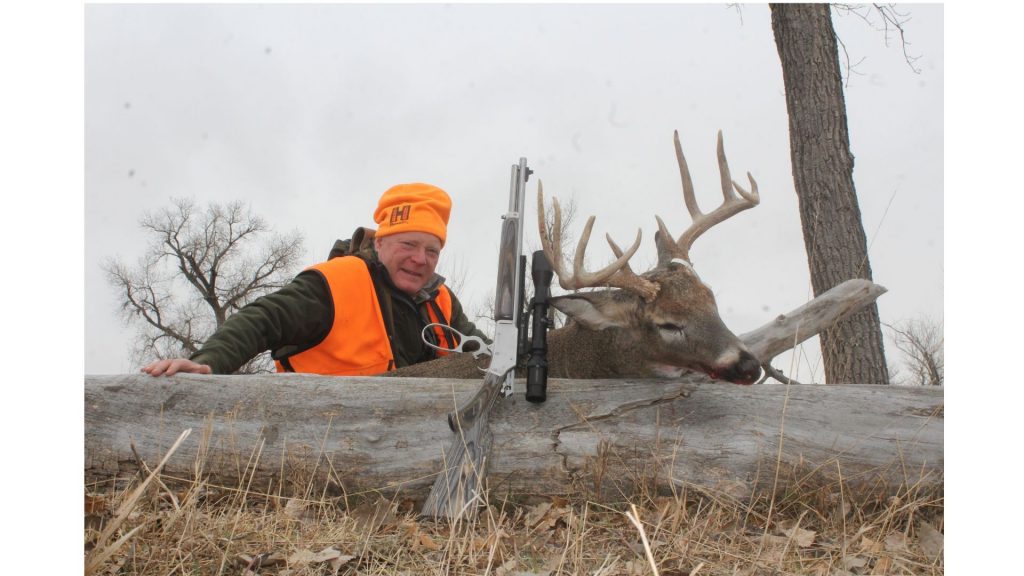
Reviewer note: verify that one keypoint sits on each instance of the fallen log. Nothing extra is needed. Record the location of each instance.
(291, 433)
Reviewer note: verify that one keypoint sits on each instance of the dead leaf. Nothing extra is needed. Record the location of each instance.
(870, 546)
(95, 504)
(427, 542)
(301, 558)
(536, 514)
(480, 543)
(340, 561)
(799, 536)
(252, 564)
(330, 554)
(372, 516)
(545, 516)
(896, 542)
(410, 527)
(929, 540)
(295, 509)
(853, 562)
(506, 568)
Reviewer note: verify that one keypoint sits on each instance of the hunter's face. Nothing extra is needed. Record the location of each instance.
(410, 258)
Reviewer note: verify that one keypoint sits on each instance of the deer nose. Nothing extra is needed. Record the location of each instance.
(746, 370)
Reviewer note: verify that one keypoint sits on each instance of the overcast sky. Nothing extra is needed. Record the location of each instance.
(310, 112)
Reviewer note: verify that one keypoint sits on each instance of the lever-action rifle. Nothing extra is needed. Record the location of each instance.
(458, 488)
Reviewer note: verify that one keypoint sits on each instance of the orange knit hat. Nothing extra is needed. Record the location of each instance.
(413, 208)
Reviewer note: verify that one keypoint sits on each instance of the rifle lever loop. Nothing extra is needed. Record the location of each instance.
(472, 344)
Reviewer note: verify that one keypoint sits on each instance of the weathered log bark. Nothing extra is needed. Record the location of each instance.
(386, 435)
(290, 432)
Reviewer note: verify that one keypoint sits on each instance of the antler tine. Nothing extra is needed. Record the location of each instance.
(684, 175)
(604, 275)
(629, 279)
(553, 250)
(731, 204)
(607, 276)
(728, 184)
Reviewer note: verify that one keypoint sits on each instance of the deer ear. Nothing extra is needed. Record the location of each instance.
(597, 310)
(664, 248)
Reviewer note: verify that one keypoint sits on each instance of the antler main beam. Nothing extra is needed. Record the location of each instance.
(731, 205)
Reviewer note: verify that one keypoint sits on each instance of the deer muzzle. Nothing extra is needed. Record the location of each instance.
(744, 369)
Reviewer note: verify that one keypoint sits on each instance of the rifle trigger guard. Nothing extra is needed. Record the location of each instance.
(480, 348)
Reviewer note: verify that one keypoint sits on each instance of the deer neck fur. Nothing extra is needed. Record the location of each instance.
(576, 352)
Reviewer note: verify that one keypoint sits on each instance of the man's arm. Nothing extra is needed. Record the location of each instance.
(299, 314)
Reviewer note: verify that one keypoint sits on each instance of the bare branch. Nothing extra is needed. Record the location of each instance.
(891, 21)
(922, 343)
(201, 266)
(773, 372)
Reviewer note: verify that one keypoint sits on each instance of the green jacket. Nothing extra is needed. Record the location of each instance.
(300, 315)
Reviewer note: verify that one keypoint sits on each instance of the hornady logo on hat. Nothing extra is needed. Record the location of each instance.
(400, 214)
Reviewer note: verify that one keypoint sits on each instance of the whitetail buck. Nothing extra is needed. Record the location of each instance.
(656, 324)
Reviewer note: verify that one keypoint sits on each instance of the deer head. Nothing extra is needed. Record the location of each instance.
(663, 321)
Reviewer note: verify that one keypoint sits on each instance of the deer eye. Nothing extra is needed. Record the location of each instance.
(672, 329)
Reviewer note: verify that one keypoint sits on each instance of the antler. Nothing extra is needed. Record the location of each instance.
(731, 206)
(617, 274)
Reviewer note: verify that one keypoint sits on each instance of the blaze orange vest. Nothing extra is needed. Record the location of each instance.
(357, 344)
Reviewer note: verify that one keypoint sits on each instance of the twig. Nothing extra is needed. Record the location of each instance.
(772, 372)
(145, 469)
(101, 552)
(635, 519)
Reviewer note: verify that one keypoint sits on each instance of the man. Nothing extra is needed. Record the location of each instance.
(361, 312)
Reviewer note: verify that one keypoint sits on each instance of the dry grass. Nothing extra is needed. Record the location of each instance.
(199, 528)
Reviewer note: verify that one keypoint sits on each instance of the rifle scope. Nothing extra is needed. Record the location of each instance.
(537, 366)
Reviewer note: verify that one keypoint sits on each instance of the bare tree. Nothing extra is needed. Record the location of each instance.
(885, 18)
(834, 236)
(922, 342)
(200, 267)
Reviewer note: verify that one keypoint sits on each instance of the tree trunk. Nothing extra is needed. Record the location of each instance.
(834, 236)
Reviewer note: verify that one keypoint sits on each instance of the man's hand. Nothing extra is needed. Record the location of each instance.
(172, 367)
